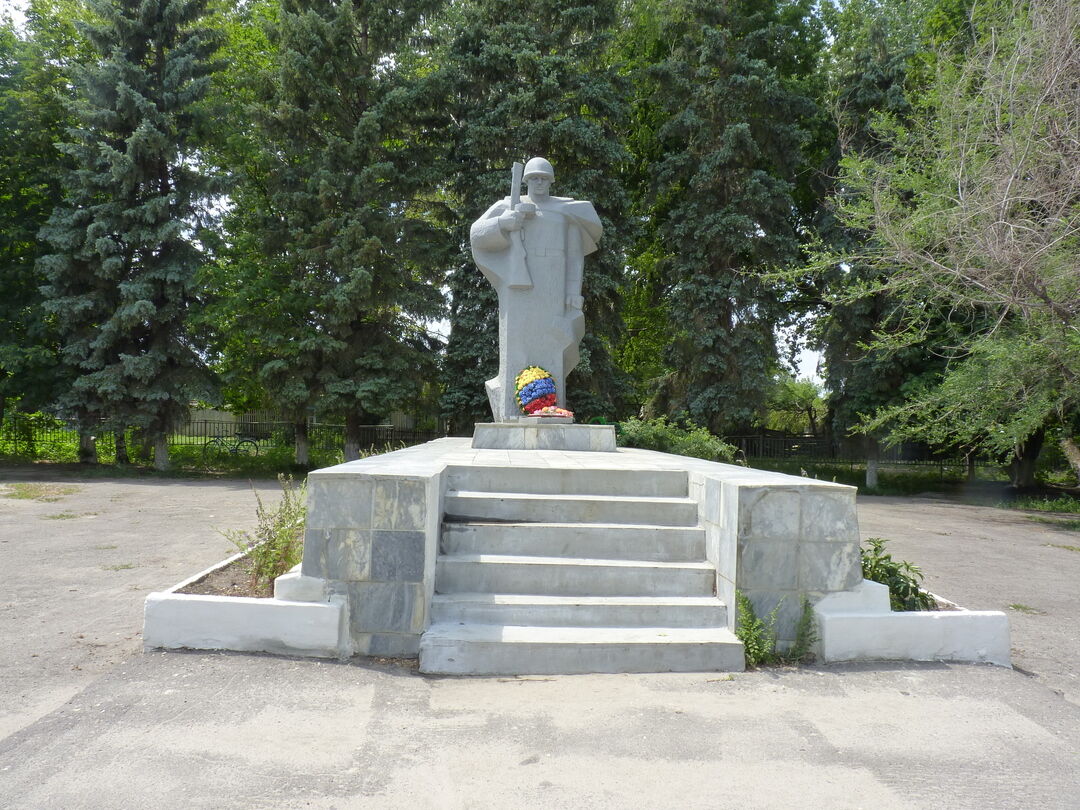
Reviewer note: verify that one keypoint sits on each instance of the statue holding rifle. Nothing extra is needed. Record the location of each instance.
(533, 250)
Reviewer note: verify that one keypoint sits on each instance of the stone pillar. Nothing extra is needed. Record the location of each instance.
(374, 536)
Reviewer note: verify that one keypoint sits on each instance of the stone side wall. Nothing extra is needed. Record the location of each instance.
(796, 541)
(778, 540)
(374, 538)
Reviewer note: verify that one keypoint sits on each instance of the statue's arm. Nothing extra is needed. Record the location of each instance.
(486, 233)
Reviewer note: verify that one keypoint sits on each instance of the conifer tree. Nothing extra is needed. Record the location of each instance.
(121, 274)
(33, 119)
(341, 190)
(724, 118)
(528, 79)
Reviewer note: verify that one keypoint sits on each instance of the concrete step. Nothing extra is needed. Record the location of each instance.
(556, 481)
(486, 649)
(613, 541)
(579, 611)
(569, 576)
(528, 508)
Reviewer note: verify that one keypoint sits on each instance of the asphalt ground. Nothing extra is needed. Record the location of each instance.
(89, 720)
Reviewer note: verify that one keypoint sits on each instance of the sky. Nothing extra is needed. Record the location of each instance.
(13, 9)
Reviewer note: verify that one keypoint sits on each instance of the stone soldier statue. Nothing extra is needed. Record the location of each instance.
(533, 250)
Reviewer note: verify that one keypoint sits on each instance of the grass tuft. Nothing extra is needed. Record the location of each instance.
(38, 491)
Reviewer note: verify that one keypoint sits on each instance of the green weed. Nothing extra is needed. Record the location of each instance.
(278, 542)
(902, 577)
(60, 516)
(120, 567)
(758, 635)
(1020, 607)
(1065, 548)
(1058, 523)
(39, 491)
(1062, 503)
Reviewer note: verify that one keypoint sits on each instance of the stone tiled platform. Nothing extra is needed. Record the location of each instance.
(375, 526)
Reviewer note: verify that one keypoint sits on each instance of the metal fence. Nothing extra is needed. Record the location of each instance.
(32, 434)
(821, 448)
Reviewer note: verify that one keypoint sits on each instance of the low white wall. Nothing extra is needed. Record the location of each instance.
(857, 625)
(176, 620)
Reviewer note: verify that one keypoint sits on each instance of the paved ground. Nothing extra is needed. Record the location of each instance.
(88, 720)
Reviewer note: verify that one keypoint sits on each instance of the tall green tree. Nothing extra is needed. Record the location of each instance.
(121, 274)
(345, 262)
(531, 79)
(33, 119)
(726, 117)
(975, 207)
(876, 47)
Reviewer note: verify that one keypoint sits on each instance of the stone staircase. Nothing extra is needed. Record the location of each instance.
(559, 571)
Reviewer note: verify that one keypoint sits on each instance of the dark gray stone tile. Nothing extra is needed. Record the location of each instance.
(397, 556)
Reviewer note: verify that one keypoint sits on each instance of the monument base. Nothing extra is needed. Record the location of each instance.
(543, 434)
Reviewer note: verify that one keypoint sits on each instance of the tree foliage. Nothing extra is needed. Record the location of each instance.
(333, 267)
(525, 79)
(122, 271)
(974, 210)
(722, 137)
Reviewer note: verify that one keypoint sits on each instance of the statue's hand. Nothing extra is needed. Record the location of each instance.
(575, 302)
(511, 221)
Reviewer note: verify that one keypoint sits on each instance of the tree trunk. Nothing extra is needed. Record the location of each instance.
(352, 436)
(1022, 468)
(813, 422)
(871, 462)
(1072, 454)
(161, 453)
(302, 445)
(120, 439)
(969, 460)
(87, 448)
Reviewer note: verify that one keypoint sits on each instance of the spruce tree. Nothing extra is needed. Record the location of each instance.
(721, 145)
(121, 274)
(531, 79)
(350, 257)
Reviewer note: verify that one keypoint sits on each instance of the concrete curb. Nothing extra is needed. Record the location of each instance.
(174, 620)
(858, 625)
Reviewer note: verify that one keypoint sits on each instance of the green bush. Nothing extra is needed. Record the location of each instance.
(278, 542)
(1062, 503)
(669, 437)
(759, 635)
(903, 578)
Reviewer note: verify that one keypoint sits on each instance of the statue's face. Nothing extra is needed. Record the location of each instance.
(539, 185)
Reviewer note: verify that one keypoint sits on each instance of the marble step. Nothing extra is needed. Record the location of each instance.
(486, 649)
(570, 576)
(615, 541)
(568, 481)
(520, 507)
(579, 611)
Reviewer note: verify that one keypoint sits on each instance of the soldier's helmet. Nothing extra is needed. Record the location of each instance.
(538, 167)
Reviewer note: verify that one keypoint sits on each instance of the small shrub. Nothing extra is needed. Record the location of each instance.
(805, 636)
(903, 578)
(1062, 503)
(757, 635)
(278, 542)
(668, 437)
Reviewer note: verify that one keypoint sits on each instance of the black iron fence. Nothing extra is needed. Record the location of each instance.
(822, 448)
(35, 434)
